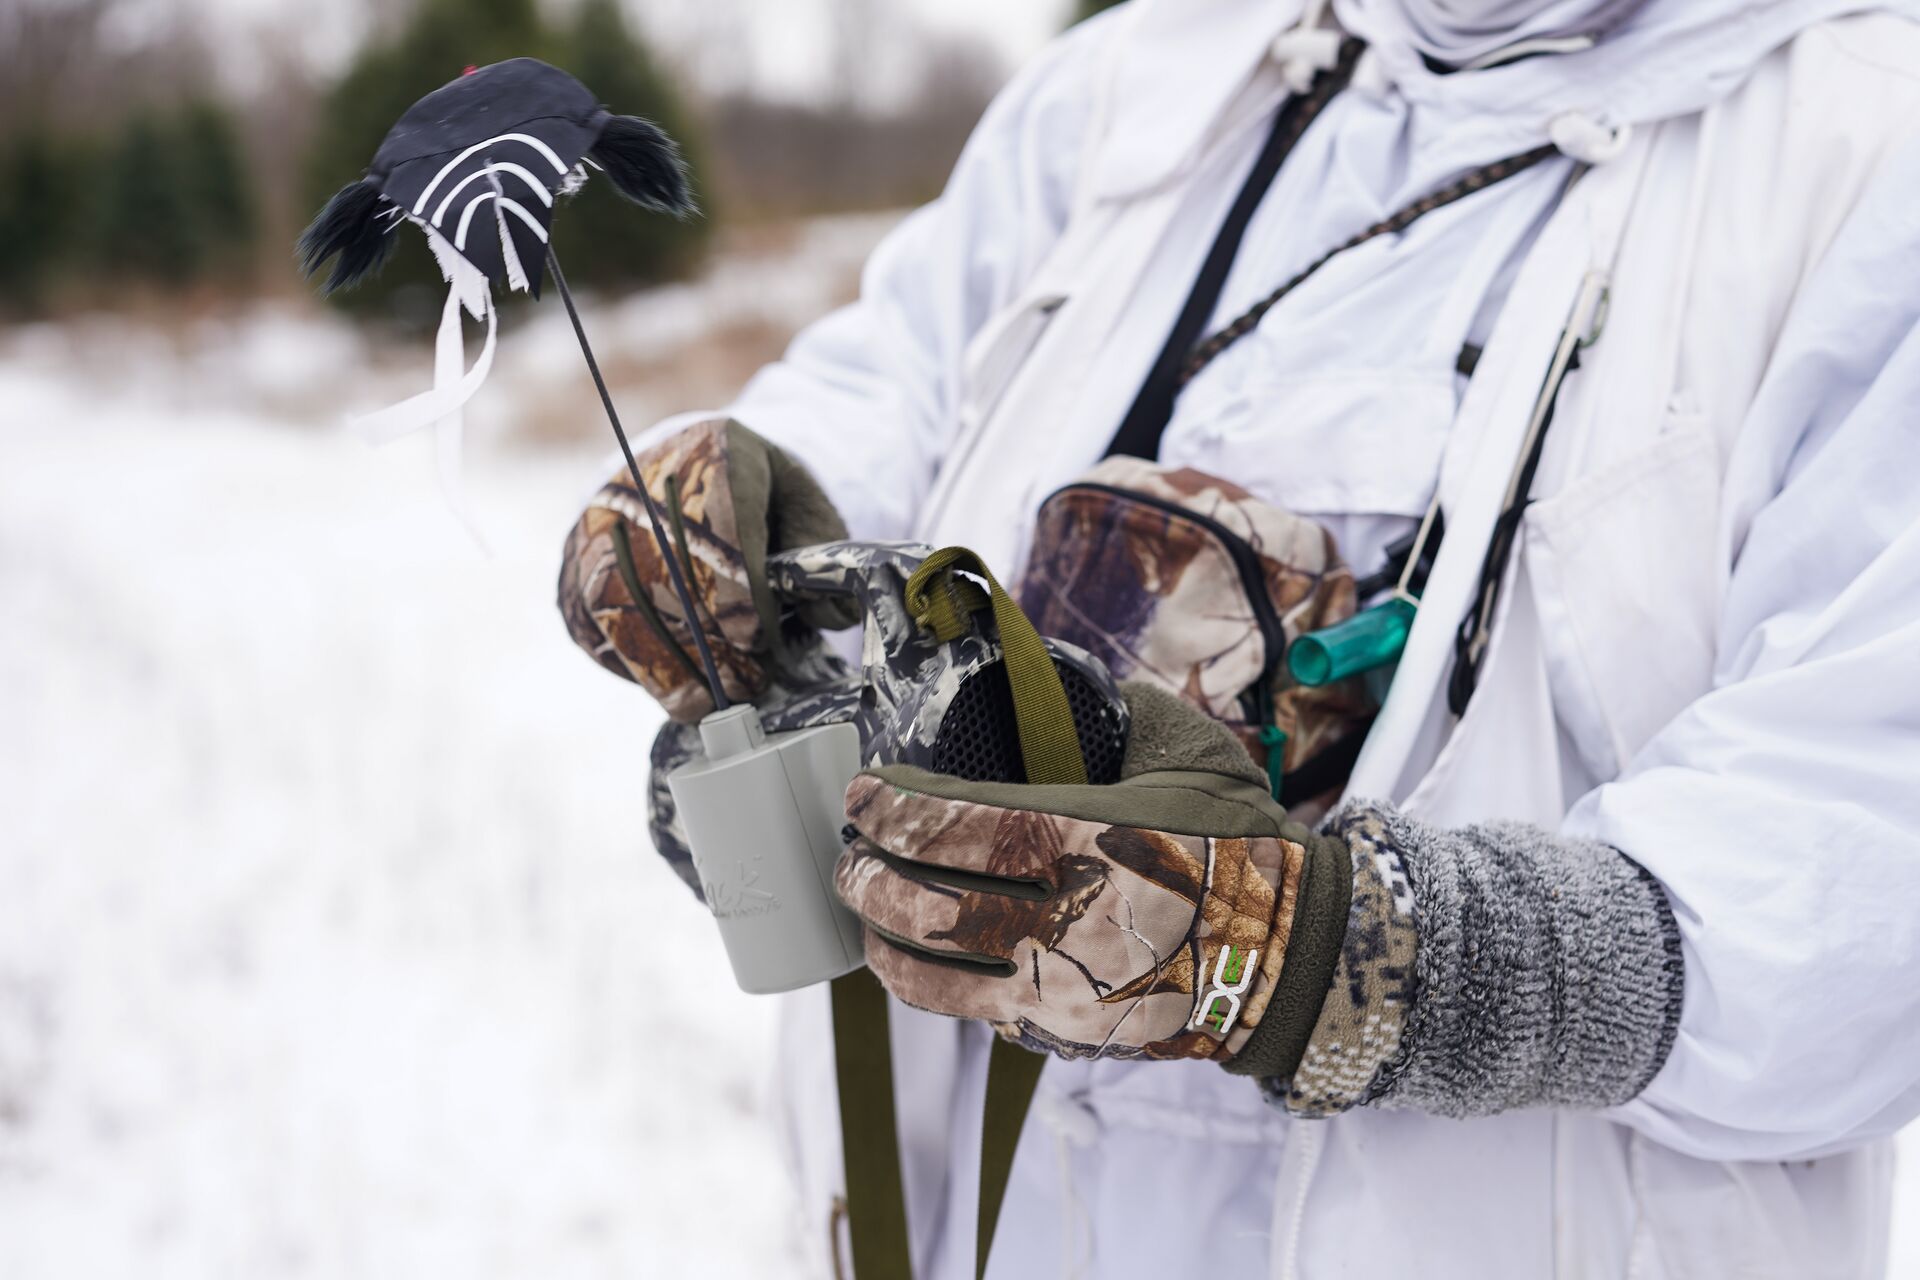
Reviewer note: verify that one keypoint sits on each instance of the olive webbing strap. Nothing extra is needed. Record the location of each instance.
(869, 1147)
(1049, 753)
(1049, 743)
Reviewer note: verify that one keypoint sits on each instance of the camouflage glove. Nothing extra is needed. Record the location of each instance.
(1178, 913)
(732, 499)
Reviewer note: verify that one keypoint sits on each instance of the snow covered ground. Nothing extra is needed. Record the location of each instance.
(329, 942)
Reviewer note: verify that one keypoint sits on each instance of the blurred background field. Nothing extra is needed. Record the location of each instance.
(330, 943)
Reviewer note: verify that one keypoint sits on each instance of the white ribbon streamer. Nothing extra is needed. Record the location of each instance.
(450, 391)
(441, 406)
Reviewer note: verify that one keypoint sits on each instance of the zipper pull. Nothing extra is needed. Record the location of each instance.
(1275, 741)
(1271, 735)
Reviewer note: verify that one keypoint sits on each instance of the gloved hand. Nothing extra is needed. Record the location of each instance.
(1178, 913)
(732, 499)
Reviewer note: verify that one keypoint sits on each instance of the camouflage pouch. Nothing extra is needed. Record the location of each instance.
(1186, 581)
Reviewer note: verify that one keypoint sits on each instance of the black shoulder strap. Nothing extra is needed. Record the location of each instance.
(1140, 431)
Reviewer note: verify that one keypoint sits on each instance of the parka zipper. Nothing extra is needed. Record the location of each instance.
(1246, 560)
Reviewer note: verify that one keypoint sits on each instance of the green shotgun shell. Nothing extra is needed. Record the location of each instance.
(1371, 638)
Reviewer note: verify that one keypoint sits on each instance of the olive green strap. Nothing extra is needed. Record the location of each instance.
(941, 600)
(869, 1150)
(1012, 1075)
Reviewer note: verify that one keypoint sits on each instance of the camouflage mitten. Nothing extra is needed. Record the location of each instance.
(1178, 913)
(732, 499)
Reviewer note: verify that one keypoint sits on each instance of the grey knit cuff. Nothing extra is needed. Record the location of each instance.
(1546, 971)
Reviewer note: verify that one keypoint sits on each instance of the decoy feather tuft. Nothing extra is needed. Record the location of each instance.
(350, 226)
(645, 164)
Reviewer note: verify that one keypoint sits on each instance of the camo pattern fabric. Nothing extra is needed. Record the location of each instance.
(896, 701)
(674, 747)
(646, 639)
(1111, 950)
(912, 677)
(831, 699)
(1357, 1037)
(1154, 570)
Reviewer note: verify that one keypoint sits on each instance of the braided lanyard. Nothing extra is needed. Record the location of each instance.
(1477, 180)
(1185, 353)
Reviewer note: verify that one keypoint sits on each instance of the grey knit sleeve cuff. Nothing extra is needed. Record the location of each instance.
(1489, 968)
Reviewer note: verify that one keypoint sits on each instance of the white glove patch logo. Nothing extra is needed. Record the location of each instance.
(1232, 975)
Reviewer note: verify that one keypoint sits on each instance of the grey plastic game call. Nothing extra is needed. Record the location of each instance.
(763, 814)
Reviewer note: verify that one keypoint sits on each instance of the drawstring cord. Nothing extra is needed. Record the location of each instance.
(1074, 1125)
(1305, 1141)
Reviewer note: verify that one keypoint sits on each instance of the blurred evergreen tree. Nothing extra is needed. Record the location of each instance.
(211, 171)
(144, 224)
(438, 42)
(170, 203)
(1084, 9)
(165, 200)
(604, 239)
(38, 183)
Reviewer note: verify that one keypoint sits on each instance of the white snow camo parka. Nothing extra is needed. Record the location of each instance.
(1707, 654)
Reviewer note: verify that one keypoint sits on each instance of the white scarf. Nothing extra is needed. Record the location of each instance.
(1460, 32)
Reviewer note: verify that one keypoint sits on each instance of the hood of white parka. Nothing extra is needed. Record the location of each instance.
(1181, 63)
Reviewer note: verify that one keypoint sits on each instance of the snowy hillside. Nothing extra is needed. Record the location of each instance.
(330, 945)
(330, 941)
